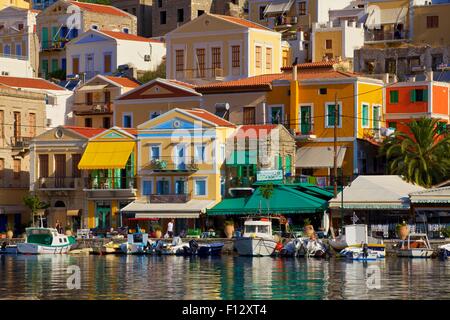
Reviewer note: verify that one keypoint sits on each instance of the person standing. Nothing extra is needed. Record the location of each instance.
(170, 228)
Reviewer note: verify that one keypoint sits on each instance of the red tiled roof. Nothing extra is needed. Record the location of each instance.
(125, 82)
(312, 65)
(100, 8)
(85, 131)
(249, 130)
(127, 36)
(242, 22)
(34, 83)
(208, 116)
(140, 93)
(181, 83)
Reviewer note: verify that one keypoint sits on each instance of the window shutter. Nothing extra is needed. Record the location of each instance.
(425, 95)
(413, 95)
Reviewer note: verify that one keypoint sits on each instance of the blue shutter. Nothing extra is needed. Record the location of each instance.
(147, 186)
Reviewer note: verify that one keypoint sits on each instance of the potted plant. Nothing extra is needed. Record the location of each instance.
(229, 228)
(402, 230)
(308, 228)
(10, 231)
(158, 231)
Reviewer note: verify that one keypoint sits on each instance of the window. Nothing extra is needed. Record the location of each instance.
(159, 3)
(261, 12)
(88, 122)
(285, 58)
(302, 8)
(76, 65)
(44, 67)
(323, 91)
(276, 114)
(162, 187)
(432, 22)
(199, 153)
(329, 56)
(43, 166)
(419, 95)
(413, 62)
(365, 116)
(17, 124)
(76, 157)
(32, 124)
(200, 187)
(17, 169)
(155, 152)
(393, 96)
(391, 66)
(60, 168)
(127, 121)
(180, 15)
(200, 12)
(2, 168)
(392, 125)
(20, 26)
(179, 60)
(249, 115)
(146, 187)
(376, 117)
(329, 44)
(201, 62)
(331, 115)
(236, 56)
(162, 17)
(55, 65)
(180, 186)
(18, 49)
(107, 62)
(106, 121)
(89, 98)
(436, 61)
(216, 59)
(95, 27)
(258, 55)
(107, 97)
(269, 58)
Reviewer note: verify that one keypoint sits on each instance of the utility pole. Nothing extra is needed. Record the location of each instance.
(336, 118)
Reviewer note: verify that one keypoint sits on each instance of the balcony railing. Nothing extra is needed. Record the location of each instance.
(170, 198)
(54, 44)
(13, 56)
(20, 142)
(109, 183)
(200, 74)
(306, 131)
(59, 183)
(94, 108)
(385, 36)
(284, 22)
(175, 164)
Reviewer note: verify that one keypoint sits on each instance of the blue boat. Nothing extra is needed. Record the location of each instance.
(210, 249)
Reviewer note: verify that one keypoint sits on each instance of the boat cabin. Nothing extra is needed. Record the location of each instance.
(258, 228)
(45, 236)
(416, 241)
(138, 238)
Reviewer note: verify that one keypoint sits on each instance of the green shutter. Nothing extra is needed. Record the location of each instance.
(55, 65)
(365, 115)
(413, 95)
(425, 95)
(288, 164)
(393, 96)
(376, 115)
(44, 38)
(331, 115)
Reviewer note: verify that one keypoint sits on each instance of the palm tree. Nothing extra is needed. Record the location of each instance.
(34, 204)
(421, 156)
(267, 192)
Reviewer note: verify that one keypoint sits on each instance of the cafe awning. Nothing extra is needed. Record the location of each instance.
(106, 155)
(318, 157)
(90, 88)
(278, 6)
(191, 209)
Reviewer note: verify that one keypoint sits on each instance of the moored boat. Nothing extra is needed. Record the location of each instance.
(136, 244)
(257, 239)
(444, 251)
(45, 241)
(204, 249)
(415, 246)
(354, 235)
(7, 248)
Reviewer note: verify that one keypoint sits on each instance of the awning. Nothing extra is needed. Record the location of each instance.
(278, 6)
(191, 209)
(88, 88)
(432, 196)
(73, 213)
(284, 200)
(106, 155)
(318, 157)
(379, 17)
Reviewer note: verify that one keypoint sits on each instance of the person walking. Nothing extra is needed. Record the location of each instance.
(170, 228)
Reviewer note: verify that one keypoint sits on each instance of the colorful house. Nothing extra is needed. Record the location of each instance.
(180, 166)
(218, 48)
(408, 101)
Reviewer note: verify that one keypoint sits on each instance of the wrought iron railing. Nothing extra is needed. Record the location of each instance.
(173, 164)
(20, 142)
(170, 198)
(110, 183)
(59, 183)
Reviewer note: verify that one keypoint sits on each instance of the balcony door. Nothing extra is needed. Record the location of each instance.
(162, 187)
(180, 157)
(305, 119)
(60, 170)
(180, 187)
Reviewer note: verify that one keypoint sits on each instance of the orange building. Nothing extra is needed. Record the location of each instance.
(408, 101)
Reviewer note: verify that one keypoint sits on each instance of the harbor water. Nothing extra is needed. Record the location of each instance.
(227, 277)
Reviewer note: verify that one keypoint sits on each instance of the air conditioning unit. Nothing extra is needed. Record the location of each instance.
(147, 57)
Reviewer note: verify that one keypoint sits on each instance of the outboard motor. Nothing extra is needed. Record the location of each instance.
(193, 245)
(4, 244)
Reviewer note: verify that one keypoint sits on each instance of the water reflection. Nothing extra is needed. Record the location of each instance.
(154, 277)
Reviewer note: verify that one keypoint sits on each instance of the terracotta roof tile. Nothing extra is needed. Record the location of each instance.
(85, 131)
(312, 65)
(100, 8)
(180, 90)
(33, 83)
(242, 22)
(208, 116)
(125, 82)
(127, 36)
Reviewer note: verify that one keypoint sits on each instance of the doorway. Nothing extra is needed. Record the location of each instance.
(103, 215)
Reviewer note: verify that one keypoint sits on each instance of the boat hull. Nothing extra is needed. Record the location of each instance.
(212, 249)
(9, 250)
(415, 253)
(337, 244)
(256, 247)
(133, 248)
(33, 248)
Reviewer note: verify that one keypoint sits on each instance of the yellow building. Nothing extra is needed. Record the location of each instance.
(181, 165)
(220, 48)
(15, 3)
(431, 24)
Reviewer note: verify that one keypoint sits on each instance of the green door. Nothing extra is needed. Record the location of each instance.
(103, 215)
(305, 119)
(288, 165)
(44, 38)
(55, 65)
(44, 68)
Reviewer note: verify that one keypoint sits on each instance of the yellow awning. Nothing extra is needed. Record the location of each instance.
(106, 155)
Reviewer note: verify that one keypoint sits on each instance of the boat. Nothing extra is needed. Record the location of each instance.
(137, 243)
(415, 246)
(41, 240)
(292, 248)
(444, 251)
(7, 248)
(108, 248)
(357, 254)
(207, 249)
(354, 236)
(257, 239)
(163, 248)
(313, 248)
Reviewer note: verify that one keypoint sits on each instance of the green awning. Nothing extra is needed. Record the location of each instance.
(284, 200)
(243, 157)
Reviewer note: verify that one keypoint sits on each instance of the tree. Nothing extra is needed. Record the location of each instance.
(34, 204)
(148, 76)
(267, 192)
(421, 156)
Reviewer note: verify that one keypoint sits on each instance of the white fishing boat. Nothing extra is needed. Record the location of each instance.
(357, 253)
(257, 239)
(163, 248)
(354, 236)
(45, 241)
(415, 246)
(136, 244)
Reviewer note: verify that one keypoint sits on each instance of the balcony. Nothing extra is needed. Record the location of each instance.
(306, 132)
(110, 187)
(200, 75)
(82, 109)
(281, 22)
(64, 183)
(169, 198)
(55, 45)
(379, 36)
(173, 164)
(20, 142)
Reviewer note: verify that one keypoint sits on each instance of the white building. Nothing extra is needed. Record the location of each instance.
(58, 100)
(19, 44)
(102, 52)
